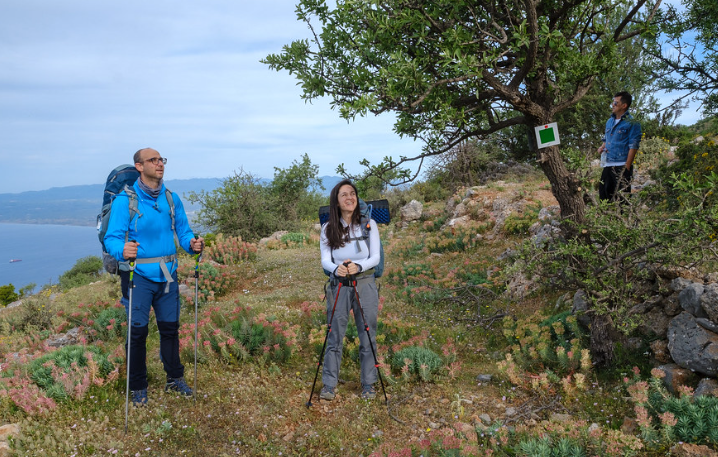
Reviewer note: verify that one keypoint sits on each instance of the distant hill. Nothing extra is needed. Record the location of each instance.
(79, 205)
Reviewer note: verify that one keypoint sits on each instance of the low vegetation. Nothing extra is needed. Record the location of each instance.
(468, 371)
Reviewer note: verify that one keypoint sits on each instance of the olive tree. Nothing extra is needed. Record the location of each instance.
(457, 69)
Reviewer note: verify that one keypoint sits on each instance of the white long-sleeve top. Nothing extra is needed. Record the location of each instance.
(366, 256)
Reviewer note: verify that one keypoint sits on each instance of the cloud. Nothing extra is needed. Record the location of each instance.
(84, 84)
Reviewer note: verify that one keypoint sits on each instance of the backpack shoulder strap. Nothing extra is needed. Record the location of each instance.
(132, 201)
(171, 202)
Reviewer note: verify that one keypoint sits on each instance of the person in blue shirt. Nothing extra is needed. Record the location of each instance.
(148, 235)
(621, 141)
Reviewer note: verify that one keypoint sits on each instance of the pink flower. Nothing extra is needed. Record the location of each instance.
(668, 419)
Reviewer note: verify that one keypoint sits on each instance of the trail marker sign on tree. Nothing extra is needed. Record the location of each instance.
(547, 135)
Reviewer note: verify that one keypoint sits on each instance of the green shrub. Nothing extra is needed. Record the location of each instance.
(86, 270)
(519, 224)
(417, 360)
(7, 294)
(294, 239)
(70, 371)
(36, 312)
(214, 280)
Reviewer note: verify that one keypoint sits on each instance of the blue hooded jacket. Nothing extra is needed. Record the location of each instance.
(152, 229)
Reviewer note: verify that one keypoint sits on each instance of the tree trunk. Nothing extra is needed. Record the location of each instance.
(564, 185)
(601, 340)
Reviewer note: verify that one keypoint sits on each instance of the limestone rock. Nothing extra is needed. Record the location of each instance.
(66, 339)
(692, 450)
(692, 346)
(660, 351)
(411, 211)
(676, 376)
(706, 386)
(579, 308)
(9, 430)
(690, 299)
(709, 301)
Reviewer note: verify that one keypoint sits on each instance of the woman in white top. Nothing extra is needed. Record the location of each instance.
(348, 254)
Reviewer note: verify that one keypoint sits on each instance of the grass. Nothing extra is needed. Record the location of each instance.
(258, 407)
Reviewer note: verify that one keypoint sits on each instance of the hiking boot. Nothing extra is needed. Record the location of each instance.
(368, 392)
(178, 385)
(139, 397)
(327, 393)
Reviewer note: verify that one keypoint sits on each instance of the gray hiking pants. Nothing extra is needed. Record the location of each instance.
(369, 300)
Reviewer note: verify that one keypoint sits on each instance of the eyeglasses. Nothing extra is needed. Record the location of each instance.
(156, 160)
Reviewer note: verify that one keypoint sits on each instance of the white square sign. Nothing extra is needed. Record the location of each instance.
(547, 135)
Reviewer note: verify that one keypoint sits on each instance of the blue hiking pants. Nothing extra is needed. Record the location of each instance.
(147, 294)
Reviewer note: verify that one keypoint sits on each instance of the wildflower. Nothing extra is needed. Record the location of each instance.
(658, 373)
(668, 419)
(642, 417)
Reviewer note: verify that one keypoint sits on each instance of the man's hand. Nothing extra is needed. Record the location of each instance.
(601, 148)
(197, 244)
(130, 250)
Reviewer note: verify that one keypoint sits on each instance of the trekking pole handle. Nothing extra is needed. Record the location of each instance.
(346, 264)
(132, 259)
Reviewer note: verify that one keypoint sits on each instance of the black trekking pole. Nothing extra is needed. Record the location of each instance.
(129, 338)
(321, 355)
(197, 258)
(368, 335)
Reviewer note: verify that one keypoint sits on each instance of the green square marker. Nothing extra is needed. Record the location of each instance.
(547, 135)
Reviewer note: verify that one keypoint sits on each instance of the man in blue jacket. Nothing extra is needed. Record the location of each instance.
(620, 143)
(142, 227)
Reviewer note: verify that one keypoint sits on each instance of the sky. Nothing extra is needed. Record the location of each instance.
(86, 83)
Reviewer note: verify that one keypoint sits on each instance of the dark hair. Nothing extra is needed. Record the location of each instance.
(625, 98)
(336, 233)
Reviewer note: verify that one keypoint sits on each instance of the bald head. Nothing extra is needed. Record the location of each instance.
(137, 158)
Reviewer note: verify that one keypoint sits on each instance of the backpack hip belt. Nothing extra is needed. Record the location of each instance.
(163, 266)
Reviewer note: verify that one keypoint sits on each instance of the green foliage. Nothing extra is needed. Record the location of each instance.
(622, 247)
(458, 238)
(518, 224)
(295, 193)
(688, 64)
(108, 323)
(665, 419)
(7, 294)
(86, 270)
(557, 344)
(239, 207)
(697, 163)
(51, 370)
(214, 280)
(242, 206)
(241, 335)
(419, 361)
(230, 250)
(36, 312)
(450, 77)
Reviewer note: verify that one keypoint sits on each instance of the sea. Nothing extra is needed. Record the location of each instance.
(44, 252)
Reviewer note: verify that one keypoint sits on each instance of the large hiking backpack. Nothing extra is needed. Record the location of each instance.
(122, 178)
(375, 209)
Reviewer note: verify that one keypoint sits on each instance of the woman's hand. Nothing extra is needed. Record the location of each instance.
(347, 268)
